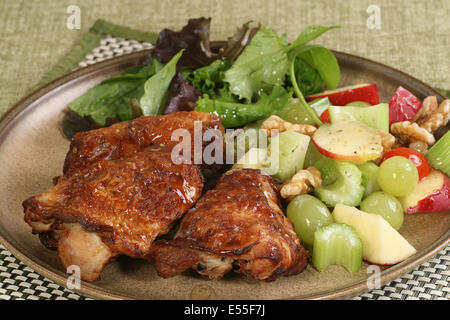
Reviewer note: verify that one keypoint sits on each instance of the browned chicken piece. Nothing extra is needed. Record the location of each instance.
(124, 138)
(113, 207)
(238, 225)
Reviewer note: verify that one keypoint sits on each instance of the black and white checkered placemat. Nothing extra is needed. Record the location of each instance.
(17, 281)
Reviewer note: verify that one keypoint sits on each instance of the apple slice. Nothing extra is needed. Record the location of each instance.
(382, 244)
(432, 194)
(342, 96)
(403, 106)
(348, 140)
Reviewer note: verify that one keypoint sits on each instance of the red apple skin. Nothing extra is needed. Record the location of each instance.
(403, 106)
(336, 156)
(435, 202)
(340, 97)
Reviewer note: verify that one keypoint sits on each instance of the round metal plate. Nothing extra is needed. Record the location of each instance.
(32, 152)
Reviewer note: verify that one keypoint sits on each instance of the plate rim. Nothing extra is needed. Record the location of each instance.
(91, 290)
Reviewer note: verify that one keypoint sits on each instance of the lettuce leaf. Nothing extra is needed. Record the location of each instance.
(182, 95)
(238, 42)
(193, 39)
(235, 114)
(209, 78)
(262, 65)
(109, 101)
(156, 88)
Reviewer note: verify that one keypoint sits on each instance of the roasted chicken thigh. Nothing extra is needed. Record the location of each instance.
(238, 225)
(124, 138)
(113, 207)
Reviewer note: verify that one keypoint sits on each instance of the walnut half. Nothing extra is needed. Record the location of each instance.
(276, 123)
(407, 132)
(302, 182)
(438, 118)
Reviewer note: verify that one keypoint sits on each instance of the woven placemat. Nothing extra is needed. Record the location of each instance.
(104, 40)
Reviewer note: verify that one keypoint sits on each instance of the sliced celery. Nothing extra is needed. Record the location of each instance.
(369, 177)
(439, 154)
(286, 153)
(374, 116)
(341, 182)
(337, 244)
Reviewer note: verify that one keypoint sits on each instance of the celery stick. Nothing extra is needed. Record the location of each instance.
(339, 244)
(439, 154)
(369, 172)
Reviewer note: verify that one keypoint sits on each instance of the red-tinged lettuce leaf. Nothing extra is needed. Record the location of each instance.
(193, 38)
(182, 96)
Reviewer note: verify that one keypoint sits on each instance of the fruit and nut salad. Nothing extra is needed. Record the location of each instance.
(348, 166)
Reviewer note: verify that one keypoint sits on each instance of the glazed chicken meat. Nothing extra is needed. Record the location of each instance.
(238, 225)
(120, 190)
(113, 207)
(125, 138)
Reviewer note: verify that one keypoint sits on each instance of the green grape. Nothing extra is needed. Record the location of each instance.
(386, 206)
(397, 176)
(308, 213)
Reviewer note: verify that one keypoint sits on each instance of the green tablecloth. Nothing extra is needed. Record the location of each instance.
(414, 34)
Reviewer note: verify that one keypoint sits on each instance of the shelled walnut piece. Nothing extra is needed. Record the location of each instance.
(276, 123)
(407, 132)
(418, 134)
(302, 182)
(429, 105)
(388, 141)
(440, 117)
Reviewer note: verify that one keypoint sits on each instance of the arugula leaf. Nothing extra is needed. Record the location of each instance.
(299, 94)
(234, 114)
(318, 57)
(156, 88)
(110, 99)
(324, 61)
(309, 34)
(262, 65)
(309, 79)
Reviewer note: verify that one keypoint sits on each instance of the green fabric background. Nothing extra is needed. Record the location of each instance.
(414, 35)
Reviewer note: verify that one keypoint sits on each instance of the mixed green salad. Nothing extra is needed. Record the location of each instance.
(361, 167)
(251, 77)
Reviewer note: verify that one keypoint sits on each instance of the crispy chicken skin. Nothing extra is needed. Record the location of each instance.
(124, 138)
(238, 225)
(122, 206)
